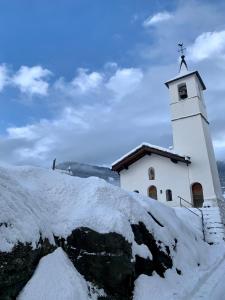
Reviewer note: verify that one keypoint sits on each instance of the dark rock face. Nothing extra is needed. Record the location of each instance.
(103, 259)
(106, 259)
(18, 266)
(161, 259)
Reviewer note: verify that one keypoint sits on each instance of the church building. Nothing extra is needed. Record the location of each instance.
(189, 169)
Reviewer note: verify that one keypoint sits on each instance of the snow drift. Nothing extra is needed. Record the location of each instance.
(37, 203)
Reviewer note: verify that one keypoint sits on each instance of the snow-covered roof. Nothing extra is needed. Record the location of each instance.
(143, 149)
(184, 74)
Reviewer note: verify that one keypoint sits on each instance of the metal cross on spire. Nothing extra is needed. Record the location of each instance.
(181, 50)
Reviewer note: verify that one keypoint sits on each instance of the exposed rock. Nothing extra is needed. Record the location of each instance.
(17, 267)
(161, 260)
(103, 259)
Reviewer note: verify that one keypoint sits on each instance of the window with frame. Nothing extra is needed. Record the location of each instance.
(169, 195)
(151, 173)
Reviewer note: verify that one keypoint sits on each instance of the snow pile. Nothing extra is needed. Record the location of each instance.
(38, 202)
(55, 278)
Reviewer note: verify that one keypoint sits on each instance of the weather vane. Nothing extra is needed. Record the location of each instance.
(181, 50)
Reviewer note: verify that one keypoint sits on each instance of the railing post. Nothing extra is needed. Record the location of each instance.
(202, 217)
(203, 226)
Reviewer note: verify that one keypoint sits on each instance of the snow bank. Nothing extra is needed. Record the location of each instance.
(38, 202)
(55, 278)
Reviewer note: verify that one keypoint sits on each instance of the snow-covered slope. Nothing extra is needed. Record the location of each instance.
(36, 202)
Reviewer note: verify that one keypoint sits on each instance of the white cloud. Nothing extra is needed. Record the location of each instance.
(112, 83)
(39, 141)
(87, 81)
(90, 125)
(157, 18)
(31, 80)
(38, 152)
(3, 76)
(125, 81)
(208, 45)
(25, 132)
(85, 130)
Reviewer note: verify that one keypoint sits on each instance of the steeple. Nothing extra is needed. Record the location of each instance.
(191, 134)
(183, 61)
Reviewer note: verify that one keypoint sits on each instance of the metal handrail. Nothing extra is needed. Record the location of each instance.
(202, 218)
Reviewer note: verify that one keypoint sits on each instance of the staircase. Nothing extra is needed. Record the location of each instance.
(213, 229)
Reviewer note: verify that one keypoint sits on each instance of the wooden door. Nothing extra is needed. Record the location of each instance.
(197, 194)
(152, 192)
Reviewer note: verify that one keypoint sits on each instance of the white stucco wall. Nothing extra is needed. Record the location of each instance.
(194, 104)
(191, 136)
(168, 175)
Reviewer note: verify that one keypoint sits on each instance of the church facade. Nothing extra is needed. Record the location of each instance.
(188, 170)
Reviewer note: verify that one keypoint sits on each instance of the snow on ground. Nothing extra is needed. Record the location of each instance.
(211, 284)
(55, 279)
(36, 201)
(205, 282)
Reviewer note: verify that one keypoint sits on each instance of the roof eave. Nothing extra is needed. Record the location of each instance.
(139, 153)
(187, 75)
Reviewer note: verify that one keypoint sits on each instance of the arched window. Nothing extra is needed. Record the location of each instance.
(197, 194)
(151, 173)
(169, 195)
(152, 192)
(182, 91)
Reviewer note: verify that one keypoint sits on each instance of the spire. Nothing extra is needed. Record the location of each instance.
(183, 62)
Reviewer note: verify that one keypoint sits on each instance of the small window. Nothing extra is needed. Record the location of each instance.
(151, 173)
(169, 196)
(136, 191)
(152, 192)
(182, 91)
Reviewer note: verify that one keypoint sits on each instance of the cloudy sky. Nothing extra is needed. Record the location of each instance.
(83, 80)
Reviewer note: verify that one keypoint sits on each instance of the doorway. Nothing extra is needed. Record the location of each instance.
(152, 192)
(197, 194)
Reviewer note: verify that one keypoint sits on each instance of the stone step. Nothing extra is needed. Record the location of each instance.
(214, 228)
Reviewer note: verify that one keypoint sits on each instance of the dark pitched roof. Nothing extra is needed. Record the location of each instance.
(145, 149)
(181, 76)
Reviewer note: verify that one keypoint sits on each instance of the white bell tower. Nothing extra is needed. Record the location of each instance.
(191, 135)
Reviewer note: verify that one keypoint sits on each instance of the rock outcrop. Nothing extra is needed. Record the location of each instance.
(113, 238)
(17, 267)
(104, 259)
